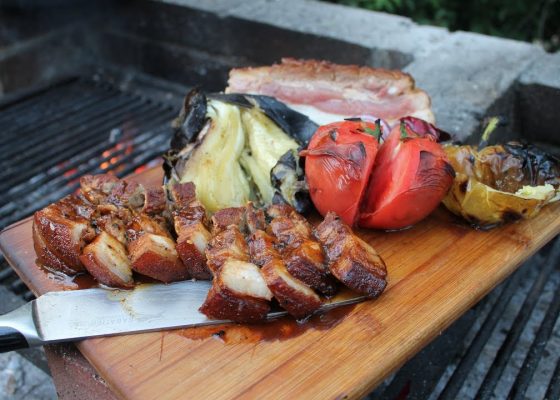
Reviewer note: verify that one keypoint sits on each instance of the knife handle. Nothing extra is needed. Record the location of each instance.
(11, 339)
(17, 329)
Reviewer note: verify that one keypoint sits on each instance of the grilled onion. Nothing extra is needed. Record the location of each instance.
(501, 183)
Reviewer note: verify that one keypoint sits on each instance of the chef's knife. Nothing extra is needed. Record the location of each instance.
(79, 314)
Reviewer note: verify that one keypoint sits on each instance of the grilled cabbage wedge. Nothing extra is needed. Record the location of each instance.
(501, 183)
(237, 148)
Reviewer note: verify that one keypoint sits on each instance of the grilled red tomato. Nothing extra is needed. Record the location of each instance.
(338, 164)
(410, 177)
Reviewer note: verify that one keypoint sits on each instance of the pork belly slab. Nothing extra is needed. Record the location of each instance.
(351, 260)
(328, 92)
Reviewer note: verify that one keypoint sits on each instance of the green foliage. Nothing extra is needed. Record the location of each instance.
(534, 21)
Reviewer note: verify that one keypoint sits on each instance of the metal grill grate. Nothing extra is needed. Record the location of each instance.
(78, 126)
(509, 348)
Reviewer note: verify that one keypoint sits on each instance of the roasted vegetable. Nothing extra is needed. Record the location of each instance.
(228, 146)
(392, 188)
(501, 183)
(410, 177)
(338, 165)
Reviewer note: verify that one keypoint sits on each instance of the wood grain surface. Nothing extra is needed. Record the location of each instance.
(437, 270)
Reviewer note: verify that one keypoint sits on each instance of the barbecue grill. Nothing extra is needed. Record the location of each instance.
(93, 89)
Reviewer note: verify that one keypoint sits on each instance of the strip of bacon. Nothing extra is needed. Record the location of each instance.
(328, 92)
(351, 260)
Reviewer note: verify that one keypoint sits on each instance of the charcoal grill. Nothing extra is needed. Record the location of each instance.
(93, 90)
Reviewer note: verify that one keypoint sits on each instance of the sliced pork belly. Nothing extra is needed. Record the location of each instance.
(45, 257)
(182, 194)
(239, 293)
(327, 92)
(156, 257)
(229, 244)
(107, 261)
(222, 219)
(61, 230)
(301, 253)
(292, 294)
(96, 188)
(192, 240)
(354, 262)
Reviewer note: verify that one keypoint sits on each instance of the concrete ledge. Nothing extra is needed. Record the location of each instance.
(465, 73)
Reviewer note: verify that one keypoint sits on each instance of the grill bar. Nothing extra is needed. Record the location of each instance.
(60, 174)
(553, 391)
(506, 350)
(535, 352)
(60, 152)
(468, 361)
(35, 122)
(37, 151)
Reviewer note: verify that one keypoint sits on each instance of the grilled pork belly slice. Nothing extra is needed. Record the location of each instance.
(155, 256)
(262, 248)
(292, 294)
(303, 255)
(225, 217)
(327, 92)
(306, 261)
(227, 245)
(351, 260)
(96, 188)
(62, 229)
(107, 261)
(182, 194)
(192, 240)
(239, 293)
(45, 257)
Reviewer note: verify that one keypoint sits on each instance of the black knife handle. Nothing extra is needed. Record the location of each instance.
(11, 339)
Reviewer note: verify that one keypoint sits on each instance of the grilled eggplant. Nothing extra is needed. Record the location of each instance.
(237, 148)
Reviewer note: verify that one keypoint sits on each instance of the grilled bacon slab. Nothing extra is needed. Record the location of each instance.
(63, 229)
(229, 244)
(302, 254)
(155, 256)
(192, 240)
(239, 293)
(107, 261)
(292, 294)
(351, 260)
(328, 92)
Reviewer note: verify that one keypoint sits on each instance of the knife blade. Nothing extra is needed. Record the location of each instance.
(79, 314)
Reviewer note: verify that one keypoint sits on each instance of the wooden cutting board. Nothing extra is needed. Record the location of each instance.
(437, 270)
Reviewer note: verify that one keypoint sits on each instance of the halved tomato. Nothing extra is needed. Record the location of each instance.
(338, 164)
(410, 177)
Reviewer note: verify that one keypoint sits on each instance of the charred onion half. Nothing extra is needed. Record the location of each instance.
(237, 148)
(501, 183)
